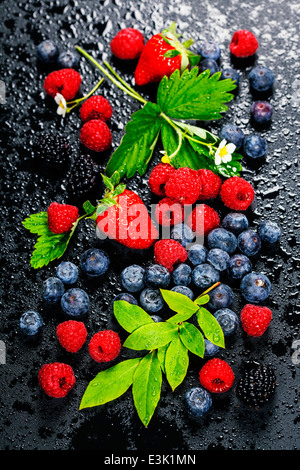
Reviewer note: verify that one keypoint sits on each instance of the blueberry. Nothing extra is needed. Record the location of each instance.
(156, 318)
(208, 64)
(210, 50)
(239, 265)
(211, 349)
(31, 322)
(75, 302)
(235, 222)
(249, 242)
(183, 234)
(223, 239)
(95, 262)
(126, 297)
(255, 146)
(68, 60)
(157, 275)
(228, 320)
(230, 73)
(151, 300)
(197, 401)
(261, 112)
(220, 297)
(232, 134)
(132, 278)
(204, 275)
(269, 231)
(182, 275)
(47, 52)
(255, 287)
(67, 272)
(184, 290)
(197, 254)
(218, 258)
(261, 78)
(53, 289)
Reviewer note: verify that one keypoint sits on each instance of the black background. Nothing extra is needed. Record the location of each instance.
(29, 419)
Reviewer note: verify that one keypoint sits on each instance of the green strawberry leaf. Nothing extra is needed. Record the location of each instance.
(192, 338)
(129, 316)
(176, 362)
(151, 336)
(37, 223)
(210, 327)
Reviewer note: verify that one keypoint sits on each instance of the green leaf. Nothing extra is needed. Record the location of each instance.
(37, 223)
(146, 387)
(202, 299)
(161, 354)
(192, 338)
(88, 207)
(176, 362)
(179, 303)
(138, 143)
(129, 316)
(197, 131)
(210, 327)
(109, 384)
(151, 336)
(172, 53)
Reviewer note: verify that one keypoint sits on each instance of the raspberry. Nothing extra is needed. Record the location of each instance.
(96, 107)
(71, 335)
(216, 376)
(255, 319)
(203, 219)
(56, 379)
(96, 135)
(127, 44)
(243, 44)
(184, 186)
(105, 346)
(237, 193)
(169, 253)
(65, 81)
(211, 184)
(256, 385)
(158, 178)
(169, 212)
(61, 217)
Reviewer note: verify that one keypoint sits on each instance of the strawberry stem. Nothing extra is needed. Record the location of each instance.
(79, 100)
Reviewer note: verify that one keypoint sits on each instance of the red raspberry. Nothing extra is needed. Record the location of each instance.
(169, 212)
(203, 219)
(105, 346)
(158, 178)
(237, 193)
(255, 319)
(216, 376)
(169, 253)
(243, 43)
(96, 135)
(96, 107)
(65, 81)
(61, 217)
(184, 186)
(127, 44)
(210, 184)
(71, 335)
(56, 379)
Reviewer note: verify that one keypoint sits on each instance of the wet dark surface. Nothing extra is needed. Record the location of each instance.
(28, 418)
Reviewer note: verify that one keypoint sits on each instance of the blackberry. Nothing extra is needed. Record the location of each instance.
(84, 177)
(256, 385)
(51, 150)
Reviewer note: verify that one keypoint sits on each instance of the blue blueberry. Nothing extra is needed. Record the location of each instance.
(126, 297)
(230, 73)
(223, 239)
(151, 300)
(249, 242)
(228, 320)
(235, 222)
(182, 275)
(47, 52)
(184, 290)
(269, 231)
(75, 302)
(197, 254)
(239, 265)
(205, 275)
(95, 262)
(53, 289)
(68, 60)
(210, 50)
(221, 296)
(31, 323)
(132, 278)
(255, 287)
(183, 234)
(218, 258)
(261, 112)
(208, 64)
(261, 78)
(67, 272)
(157, 276)
(255, 146)
(156, 318)
(197, 401)
(211, 349)
(232, 134)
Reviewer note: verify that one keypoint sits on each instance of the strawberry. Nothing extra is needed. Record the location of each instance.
(65, 81)
(61, 217)
(162, 55)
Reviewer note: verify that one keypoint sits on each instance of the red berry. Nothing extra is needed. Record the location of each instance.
(128, 44)
(169, 212)
(105, 346)
(96, 135)
(237, 193)
(255, 319)
(216, 376)
(96, 107)
(243, 44)
(210, 184)
(56, 379)
(61, 217)
(158, 178)
(65, 81)
(184, 186)
(71, 335)
(203, 219)
(169, 253)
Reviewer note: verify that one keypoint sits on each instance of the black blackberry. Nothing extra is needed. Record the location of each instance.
(84, 177)
(256, 385)
(50, 150)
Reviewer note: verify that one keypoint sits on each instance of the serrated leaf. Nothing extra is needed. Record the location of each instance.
(48, 248)
(176, 362)
(192, 338)
(210, 327)
(179, 303)
(88, 207)
(151, 336)
(37, 223)
(129, 316)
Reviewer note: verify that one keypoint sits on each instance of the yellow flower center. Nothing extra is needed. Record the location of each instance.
(223, 152)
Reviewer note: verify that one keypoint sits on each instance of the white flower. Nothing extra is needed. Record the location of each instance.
(62, 104)
(224, 152)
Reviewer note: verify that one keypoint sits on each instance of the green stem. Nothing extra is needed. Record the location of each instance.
(138, 96)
